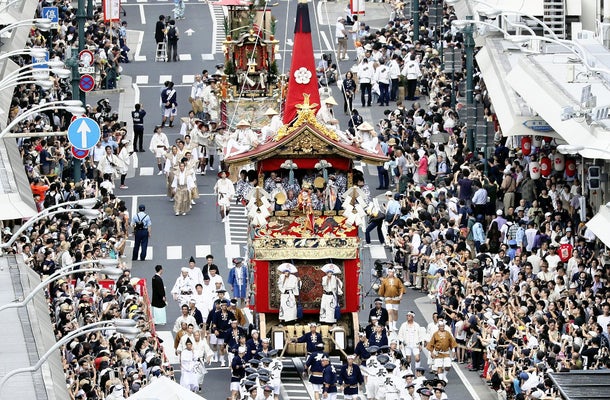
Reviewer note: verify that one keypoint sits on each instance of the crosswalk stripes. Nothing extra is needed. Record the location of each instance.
(218, 15)
(238, 225)
(179, 252)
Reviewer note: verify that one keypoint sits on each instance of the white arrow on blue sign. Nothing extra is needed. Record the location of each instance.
(84, 133)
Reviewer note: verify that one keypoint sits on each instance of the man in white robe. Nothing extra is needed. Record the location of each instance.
(241, 140)
(225, 191)
(269, 131)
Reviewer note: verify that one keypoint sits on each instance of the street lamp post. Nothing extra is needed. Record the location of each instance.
(415, 20)
(36, 77)
(107, 266)
(56, 209)
(44, 24)
(469, 48)
(73, 106)
(120, 326)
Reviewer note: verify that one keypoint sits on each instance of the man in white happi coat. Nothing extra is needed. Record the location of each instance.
(225, 191)
(411, 338)
(159, 145)
(194, 272)
(184, 287)
(241, 140)
(188, 123)
(270, 130)
(210, 101)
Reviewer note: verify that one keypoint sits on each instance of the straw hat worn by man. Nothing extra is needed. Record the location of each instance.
(326, 116)
(270, 130)
(367, 138)
(241, 140)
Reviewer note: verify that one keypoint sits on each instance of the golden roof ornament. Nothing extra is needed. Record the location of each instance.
(306, 106)
(306, 114)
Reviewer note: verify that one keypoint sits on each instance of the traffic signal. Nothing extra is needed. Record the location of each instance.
(593, 177)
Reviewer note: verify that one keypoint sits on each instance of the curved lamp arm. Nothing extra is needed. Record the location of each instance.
(95, 327)
(45, 213)
(64, 104)
(105, 267)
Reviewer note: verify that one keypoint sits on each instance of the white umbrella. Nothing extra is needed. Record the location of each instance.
(287, 266)
(330, 267)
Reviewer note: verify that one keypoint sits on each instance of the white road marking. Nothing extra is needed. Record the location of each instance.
(142, 15)
(325, 40)
(147, 171)
(202, 250)
(207, 57)
(214, 27)
(149, 253)
(136, 93)
(188, 78)
(163, 78)
(185, 57)
(134, 206)
(378, 251)
(137, 56)
(174, 252)
(142, 79)
(232, 251)
(168, 345)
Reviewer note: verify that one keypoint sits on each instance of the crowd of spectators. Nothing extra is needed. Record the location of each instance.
(507, 258)
(101, 365)
(504, 252)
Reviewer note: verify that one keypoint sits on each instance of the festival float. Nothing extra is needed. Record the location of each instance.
(250, 83)
(304, 157)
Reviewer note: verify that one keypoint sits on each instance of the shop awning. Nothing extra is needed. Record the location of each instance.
(15, 193)
(541, 81)
(495, 62)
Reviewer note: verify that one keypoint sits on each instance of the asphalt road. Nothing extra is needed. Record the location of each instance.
(175, 239)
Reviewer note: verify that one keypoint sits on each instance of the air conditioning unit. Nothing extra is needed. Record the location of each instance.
(585, 35)
(604, 28)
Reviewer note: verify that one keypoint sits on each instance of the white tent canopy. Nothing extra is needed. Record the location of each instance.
(599, 224)
(164, 389)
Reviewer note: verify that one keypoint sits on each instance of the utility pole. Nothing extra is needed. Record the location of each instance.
(469, 47)
(81, 17)
(415, 21)
(439, 28)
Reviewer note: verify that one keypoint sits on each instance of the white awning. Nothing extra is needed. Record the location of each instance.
(495, 65)
(540, 81)
(15, 193)
(599, 224)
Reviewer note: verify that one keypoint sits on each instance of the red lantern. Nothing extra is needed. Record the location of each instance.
(545, 166)
(570, 167)
(526, 145)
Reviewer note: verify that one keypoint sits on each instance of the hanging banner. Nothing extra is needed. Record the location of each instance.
(112, 10)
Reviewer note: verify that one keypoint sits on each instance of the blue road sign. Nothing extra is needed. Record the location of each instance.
(39, 62)
(84, 133)
(52, 14)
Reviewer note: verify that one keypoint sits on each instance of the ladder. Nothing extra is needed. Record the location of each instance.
(161, 54)
(555, 16)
